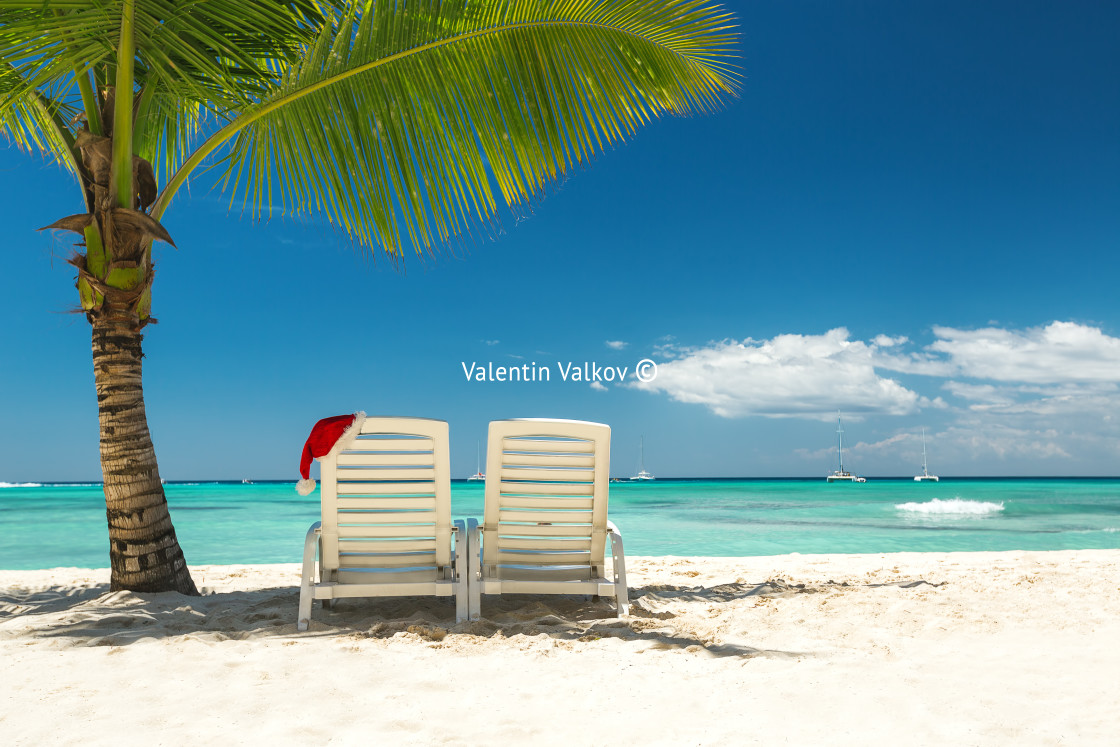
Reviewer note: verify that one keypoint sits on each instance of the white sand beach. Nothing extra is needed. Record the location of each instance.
(912, 648)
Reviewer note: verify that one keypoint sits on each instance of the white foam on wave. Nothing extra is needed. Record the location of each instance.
(21, 484)
(956, 506)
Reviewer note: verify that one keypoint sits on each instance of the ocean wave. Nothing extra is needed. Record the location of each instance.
(955, 506)
(21, 484)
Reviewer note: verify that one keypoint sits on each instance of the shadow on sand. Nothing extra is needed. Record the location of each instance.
(91, 615)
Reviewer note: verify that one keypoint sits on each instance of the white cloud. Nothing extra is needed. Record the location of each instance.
(787, 376)
(972, 441)
(887, 445)
(936, 403)
(1057, 353)
(616, 344)
(1093, 400)
(1062, 429)
(598, 386)
(980, 393)
(1050, 391)
(983, 441)
(1039, 400)
(491, 342)
(920, 363)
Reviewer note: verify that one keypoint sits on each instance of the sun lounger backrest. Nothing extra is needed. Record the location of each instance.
(547, 509)
(387, 498)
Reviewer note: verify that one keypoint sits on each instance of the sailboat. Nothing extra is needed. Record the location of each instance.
(478, 464)
(642, 474)
(840, 475)
(925, 476)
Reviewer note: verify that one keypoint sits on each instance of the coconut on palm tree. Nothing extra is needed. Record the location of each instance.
(405, 123)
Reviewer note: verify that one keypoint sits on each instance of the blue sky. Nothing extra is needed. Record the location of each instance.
(911, 213)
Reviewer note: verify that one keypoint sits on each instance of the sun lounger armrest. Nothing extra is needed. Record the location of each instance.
(310, 545)
(474, 570)
(461, 571)
(621, 596)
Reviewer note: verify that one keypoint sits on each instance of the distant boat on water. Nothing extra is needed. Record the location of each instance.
(478, 475)
(642, 474)
(840, 475)
(925, 476)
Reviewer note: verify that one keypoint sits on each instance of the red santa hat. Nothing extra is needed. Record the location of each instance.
(328, 436)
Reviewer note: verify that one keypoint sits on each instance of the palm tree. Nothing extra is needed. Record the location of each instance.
(401, 122)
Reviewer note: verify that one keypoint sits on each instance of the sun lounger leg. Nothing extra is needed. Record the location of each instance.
(474, 568)
(324, 575)
(620, 593)
(310, 543)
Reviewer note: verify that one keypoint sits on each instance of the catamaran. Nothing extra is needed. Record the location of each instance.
(477, 464)
(840, 475)
(925, 476)
(642, 474)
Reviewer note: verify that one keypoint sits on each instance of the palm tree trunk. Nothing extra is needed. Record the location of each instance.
(144, 554)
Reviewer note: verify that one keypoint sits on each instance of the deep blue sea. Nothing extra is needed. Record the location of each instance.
(46, 526)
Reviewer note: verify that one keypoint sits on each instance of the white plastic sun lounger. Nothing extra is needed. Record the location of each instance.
(545, 525)
(386, 528)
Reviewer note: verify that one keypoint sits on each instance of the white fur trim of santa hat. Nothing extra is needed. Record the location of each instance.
(306, 485)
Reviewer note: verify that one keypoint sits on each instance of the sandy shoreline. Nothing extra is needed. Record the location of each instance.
(915, 648)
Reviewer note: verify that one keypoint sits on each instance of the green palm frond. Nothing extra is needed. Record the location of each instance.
(34, 122)
(403, 122)
(211, 52)
(46, 45)
(194, 59)
(166, 129)
(410, 119)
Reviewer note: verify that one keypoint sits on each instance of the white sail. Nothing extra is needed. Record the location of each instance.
(642, 474)
(840, 475)
(925, 476)
(478, 463)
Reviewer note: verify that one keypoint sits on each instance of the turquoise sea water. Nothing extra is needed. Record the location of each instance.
(45, 526)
